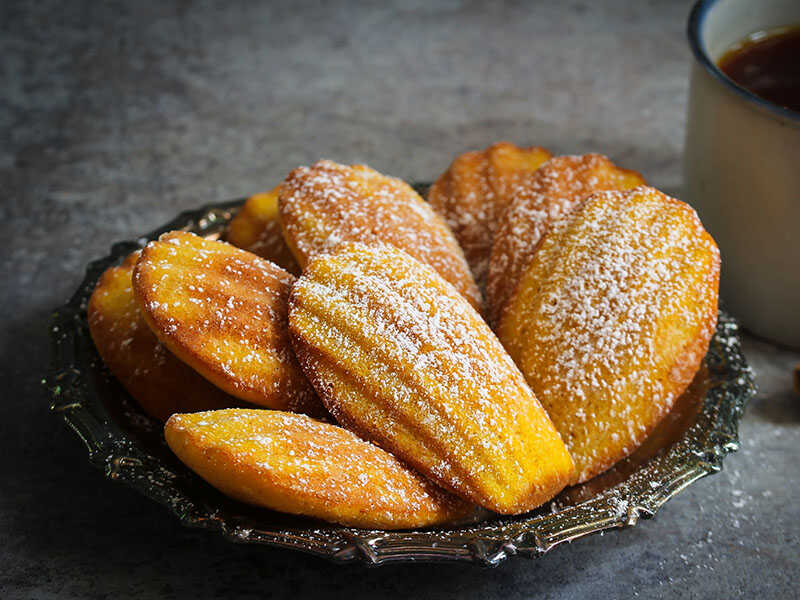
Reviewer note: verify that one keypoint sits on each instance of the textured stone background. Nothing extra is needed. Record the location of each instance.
(114, 117)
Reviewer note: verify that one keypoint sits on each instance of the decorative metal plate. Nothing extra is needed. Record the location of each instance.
(129, 447)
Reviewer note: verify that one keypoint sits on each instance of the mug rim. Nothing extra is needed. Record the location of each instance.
(696, 19)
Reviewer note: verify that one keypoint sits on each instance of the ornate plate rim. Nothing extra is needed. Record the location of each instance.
(699, 452)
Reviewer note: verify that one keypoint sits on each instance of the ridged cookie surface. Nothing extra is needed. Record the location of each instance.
(257, 229)
(329, 203)
(612, 318)
(223, 311)
(401, 358)
(157, 380)
(473, 193)
(552, 192)
(294, 464)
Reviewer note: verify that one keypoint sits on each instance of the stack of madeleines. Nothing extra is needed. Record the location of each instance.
(354, 353)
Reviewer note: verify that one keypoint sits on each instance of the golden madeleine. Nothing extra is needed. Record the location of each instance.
(223, 311)
(402, 359)
(294, 464)
(329, 203)
(473, 193)
(552, 192)
(257, 229)
(153, 376)
(612, 319)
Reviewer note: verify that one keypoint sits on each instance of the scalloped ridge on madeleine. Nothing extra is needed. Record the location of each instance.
(473, 193)
(328, 203)
(223, 311)
(294, 464)
(555, 189)
(154, 377)
(402, 359)
(612, 319)
(257, 229)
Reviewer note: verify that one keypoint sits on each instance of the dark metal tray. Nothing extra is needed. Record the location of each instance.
(129, 447)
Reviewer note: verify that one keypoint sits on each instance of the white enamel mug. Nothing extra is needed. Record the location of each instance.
(742, 170)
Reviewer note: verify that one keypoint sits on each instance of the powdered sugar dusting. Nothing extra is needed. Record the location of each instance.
(224, 310)
(549, 194)
(464, 198)
(399, 355)
(473, 194)
(316, 468)
(152, 375)
(613, 317)
(328, 203)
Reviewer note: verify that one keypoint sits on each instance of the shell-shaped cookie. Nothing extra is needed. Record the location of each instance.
(257, 229)
(329, 203)
(294, 464)
(223, 311)
(612, 318)
(551, 193)
(154, 377)
(402, 359)
(473, 193)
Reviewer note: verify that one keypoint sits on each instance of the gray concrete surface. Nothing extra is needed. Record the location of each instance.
(116, 116)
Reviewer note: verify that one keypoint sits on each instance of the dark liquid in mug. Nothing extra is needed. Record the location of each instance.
(768, 64)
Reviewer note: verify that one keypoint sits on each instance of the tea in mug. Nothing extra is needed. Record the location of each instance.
(768, 64)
